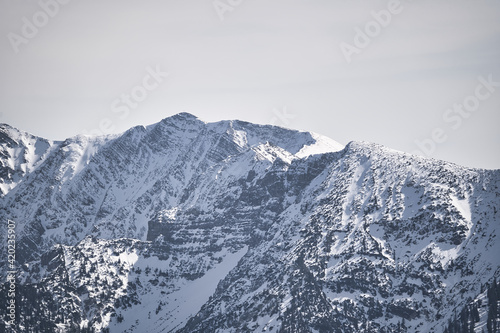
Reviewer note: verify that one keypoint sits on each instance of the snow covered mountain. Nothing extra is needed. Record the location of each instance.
(20, 154)
(187, 226)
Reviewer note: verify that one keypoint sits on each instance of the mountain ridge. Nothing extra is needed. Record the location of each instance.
(125, 230)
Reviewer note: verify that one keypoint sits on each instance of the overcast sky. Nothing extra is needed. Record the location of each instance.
(418, 75)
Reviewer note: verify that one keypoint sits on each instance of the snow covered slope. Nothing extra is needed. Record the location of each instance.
(20, 154)
(187, 226)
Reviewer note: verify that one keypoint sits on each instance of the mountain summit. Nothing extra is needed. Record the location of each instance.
(187, 226)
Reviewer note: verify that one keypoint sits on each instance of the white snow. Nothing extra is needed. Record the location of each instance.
(240, 138)
(181, 304)
(195, 293)
(168, 214)
(269, 152)
(87, 151)
(26, 157)
(463, 207)
(322, 145)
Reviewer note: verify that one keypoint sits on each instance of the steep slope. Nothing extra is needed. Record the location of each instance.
(384, 237)
(20, 154)
(234, 227)
(112, 186)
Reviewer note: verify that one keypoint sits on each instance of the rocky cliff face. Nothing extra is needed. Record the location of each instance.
(185, 226)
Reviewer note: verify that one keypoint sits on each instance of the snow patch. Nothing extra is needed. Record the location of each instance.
(321, 145)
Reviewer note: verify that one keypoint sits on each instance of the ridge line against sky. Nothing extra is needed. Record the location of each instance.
(416, 76)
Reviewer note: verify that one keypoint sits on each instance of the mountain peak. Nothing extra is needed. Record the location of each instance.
(188, 226)
(182, 116)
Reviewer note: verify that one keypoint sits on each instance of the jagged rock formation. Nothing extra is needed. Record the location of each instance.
(186, 226)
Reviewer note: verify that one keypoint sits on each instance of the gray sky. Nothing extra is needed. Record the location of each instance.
(410, 76)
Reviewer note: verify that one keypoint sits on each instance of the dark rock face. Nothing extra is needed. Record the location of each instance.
(185, 226)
